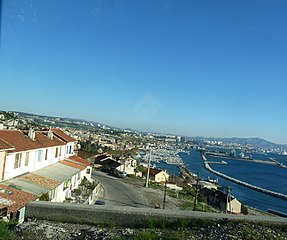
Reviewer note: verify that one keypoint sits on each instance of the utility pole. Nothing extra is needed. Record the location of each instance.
(123, 160)
(148, 168)
(164, 196)
(228, 199)
(196, 192)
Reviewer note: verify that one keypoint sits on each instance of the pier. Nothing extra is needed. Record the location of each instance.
(259, 189)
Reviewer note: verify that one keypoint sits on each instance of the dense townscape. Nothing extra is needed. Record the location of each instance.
(40, 148)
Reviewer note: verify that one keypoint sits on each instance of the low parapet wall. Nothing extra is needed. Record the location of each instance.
(127, 216)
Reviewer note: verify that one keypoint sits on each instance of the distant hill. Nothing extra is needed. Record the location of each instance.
(256, 142)
(92, 125)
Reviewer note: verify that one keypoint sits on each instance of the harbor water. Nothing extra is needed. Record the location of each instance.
(267, 176)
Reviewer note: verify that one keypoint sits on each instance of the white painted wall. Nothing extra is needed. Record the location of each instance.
(36, 160)
(2, 160)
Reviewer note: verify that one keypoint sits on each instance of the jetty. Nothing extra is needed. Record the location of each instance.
(213, 162)
(278, 163)
(259, 189)
(246, 159)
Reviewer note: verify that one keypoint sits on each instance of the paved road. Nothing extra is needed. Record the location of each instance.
(118, 193)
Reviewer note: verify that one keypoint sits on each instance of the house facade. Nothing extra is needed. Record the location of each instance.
(41, 164)
(127, 166)
(156, 175)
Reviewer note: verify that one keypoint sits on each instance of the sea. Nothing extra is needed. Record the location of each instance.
(267, 176)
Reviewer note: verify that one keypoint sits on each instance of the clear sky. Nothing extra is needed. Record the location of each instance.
(196, 67)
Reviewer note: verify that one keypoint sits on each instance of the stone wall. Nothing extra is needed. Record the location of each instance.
(95, 214)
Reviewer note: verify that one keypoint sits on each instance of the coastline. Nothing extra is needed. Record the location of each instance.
(259, 189)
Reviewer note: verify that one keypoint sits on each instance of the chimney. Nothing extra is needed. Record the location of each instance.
(50, 134)
(31, 134)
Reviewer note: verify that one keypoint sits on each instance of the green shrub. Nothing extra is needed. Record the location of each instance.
(5, 233)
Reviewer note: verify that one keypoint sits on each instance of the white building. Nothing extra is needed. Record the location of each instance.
(39, 163)
(128, 166)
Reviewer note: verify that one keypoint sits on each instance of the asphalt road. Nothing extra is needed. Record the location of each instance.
(117, 193)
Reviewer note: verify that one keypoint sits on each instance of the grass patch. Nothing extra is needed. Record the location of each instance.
(146, 235)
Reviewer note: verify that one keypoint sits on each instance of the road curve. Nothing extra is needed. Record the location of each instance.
(118, 193)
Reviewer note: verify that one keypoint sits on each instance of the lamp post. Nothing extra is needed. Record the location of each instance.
(228, 200)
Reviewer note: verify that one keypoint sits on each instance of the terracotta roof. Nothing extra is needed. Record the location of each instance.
(17, 198)
(84, 154)
(80, 160)
(5, 145)
(41, 181)
(59, 133)
(74, 165)
(22, 142)
(153, 171)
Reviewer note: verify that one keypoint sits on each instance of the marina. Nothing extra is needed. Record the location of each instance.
(264, 176)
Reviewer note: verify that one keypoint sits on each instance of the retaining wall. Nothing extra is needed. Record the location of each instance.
(128, 216)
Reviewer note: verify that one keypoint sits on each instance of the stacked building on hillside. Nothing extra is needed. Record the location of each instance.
(37, 165)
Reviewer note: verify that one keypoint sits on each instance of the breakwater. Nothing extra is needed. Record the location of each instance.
(216, 155)
(259, 189)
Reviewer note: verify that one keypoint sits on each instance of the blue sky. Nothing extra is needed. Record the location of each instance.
(197, 68)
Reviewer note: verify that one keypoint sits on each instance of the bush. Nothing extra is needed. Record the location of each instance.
(244, 209)
(5, 233)
(45, 197)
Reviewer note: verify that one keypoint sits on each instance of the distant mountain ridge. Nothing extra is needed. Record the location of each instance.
(253, 141)
(256, 142)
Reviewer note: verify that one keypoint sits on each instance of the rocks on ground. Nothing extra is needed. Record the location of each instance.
(40, 229)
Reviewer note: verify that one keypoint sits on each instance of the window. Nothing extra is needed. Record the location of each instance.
(52, 194)
(67, 184)
(56, 153)
(88, 171)
(60, 154)
(78, 176)
(17, 163)
(46, 154)
(27, 159)
(70, 150)
(40, 155)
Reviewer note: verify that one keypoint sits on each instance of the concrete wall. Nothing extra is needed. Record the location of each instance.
(128, 216)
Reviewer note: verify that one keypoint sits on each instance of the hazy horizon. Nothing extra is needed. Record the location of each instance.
(147, 131)
(193, 68)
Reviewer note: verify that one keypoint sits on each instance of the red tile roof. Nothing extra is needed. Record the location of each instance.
(74, 165)
(41, 181)
(17, 198)
(84, 154)
(80, 160)
(59, 133)
(5, 145)
(153, 171)
(22, 142)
